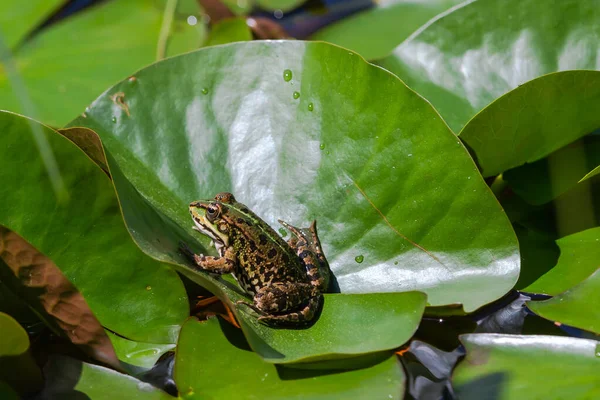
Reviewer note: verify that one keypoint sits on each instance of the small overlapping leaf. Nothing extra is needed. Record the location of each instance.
(84, 235)
(211, 364)
(517, 367)
(579, 258)
(578, 306)
(375, 32)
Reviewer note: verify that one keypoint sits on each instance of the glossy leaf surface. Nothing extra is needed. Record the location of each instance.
(517, 367)
(375, 32)
(85, 237)
(579, 258)
(66, 66)
(207, 359)
(594, 172)
(578, 306)
(473, 55)
(387, 220)
(67, 378)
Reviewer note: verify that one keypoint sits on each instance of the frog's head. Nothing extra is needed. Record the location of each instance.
(208, 217)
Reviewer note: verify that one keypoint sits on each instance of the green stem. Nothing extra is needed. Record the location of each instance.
(165, 29)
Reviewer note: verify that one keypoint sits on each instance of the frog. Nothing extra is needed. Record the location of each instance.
(286, 279)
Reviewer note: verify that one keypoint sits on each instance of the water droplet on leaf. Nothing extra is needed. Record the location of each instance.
(310, 107)
(359, 258)
(296, 95)
(114, 119)
(322, 146)
(287, 75)
(282, 232)
(148, 287)
(204, 91)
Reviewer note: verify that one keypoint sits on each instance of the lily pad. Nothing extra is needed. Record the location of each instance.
(205, 352)
(464, 60)
(579, 258)
(358, 151)
(139, 354)
(67, 65)
(229, 30)
(84, 235)
(518, 367)
(578, 306)
(375, 32)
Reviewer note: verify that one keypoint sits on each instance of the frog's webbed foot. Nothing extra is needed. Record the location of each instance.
(215, 265)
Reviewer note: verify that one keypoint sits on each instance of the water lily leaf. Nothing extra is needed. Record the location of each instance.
(548, 178)
(18, 18)
(84, 235)
(205, 352)
(375, 32)
(517, 367)
(67, 378)
(17, 367)
(469, 57)
(579, 258)
(578, 306)
(388, 221)
(67, 65)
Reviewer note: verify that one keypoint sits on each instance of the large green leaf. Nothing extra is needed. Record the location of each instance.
(473, 55)
(67, 65)
(19, 18)
(17, 366)
(67, 378)
(210, 364)
(358, 151)
(578, 306)
(579, 258)
(84, 235)
(375, 32)
(535, 367)
(594, 172)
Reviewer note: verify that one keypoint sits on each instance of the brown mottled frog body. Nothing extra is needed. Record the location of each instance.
(286, 279)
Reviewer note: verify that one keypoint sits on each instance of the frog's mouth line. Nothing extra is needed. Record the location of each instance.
(217, 241)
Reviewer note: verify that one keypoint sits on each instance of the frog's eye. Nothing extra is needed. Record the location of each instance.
(212, 212)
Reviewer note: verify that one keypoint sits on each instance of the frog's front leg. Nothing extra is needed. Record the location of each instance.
(217, 265)
(286, 302)
(308, 248)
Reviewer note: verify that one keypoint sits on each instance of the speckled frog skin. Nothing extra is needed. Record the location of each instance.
(286, 279)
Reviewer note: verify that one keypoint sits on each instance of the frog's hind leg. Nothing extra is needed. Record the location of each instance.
(308, 248)
(305, 315)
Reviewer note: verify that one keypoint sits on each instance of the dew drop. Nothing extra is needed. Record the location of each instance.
(310, 107)
(296, 95)
(282, 232)
(132, 79)
(114, 119)
(278, 14)
(327, 152)
(322, 146)
(395, 262)
(148, 287)
(287, 75)
(410, 155)
(359, 258)
(204, 90)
